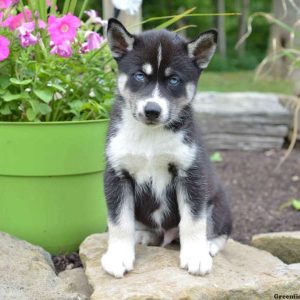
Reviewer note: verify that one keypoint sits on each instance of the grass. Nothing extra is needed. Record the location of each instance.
(242, 82)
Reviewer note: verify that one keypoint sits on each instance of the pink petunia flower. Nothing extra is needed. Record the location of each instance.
(25, 34)
(27, 39)
(26, 27)
(4, 48)
(42, 24)
(63, 50)
(93, 17)
(5, 4)
(94, 40)
(63, 29)
(84, 48)
(14, 22)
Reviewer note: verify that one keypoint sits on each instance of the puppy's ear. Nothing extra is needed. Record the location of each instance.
(203, 48)
(119, 39)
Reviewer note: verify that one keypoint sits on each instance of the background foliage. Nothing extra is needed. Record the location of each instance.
(256, 46)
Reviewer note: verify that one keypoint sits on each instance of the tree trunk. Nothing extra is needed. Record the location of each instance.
(243, 25)
(221, 28)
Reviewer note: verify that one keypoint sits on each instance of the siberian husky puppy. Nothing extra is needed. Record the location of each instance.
(159, 182)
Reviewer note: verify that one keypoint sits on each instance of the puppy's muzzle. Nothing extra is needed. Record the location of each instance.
(152, 111)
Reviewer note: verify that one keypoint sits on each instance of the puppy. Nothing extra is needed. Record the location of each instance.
(159, 182)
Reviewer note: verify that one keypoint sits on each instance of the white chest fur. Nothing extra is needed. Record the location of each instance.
(146, 152)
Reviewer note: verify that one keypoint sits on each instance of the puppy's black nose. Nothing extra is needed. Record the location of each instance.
(152, 111)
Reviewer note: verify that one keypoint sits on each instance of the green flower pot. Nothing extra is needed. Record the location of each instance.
(51, 182)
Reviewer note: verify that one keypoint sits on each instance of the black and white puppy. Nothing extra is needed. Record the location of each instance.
(159, 182)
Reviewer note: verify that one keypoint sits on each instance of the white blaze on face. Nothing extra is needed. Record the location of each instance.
(159, 56)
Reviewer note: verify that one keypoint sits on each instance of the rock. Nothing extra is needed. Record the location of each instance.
(284, 245)
(77, 282)
(295, 268)
(247, 121)
(27, 273)
(239, 272)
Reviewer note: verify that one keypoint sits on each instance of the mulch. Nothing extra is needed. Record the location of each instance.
(66, 261)
(256, 192)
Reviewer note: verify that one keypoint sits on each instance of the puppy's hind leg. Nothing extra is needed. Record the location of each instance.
(220, 223)
(217, 244)
(147, 236)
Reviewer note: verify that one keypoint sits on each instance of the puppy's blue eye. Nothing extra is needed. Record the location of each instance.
(174, 80)
(139, 76)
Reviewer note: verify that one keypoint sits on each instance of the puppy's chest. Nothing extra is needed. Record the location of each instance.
(149, 154)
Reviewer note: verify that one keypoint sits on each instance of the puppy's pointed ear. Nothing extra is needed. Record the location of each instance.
(119, 39)
(203, 48)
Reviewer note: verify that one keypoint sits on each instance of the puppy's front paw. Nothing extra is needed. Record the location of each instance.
(117, 262)
(196, 262)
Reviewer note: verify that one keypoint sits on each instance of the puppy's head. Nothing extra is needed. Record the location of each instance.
(158, 70)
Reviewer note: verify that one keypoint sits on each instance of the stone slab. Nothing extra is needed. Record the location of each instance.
(239, 272)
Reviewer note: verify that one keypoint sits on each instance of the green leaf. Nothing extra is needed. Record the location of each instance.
(44, 108)
(175, 19)
(58, 87)
(30, 114)
(11, 97)
(76, 105)
(4, 82)
(83, 7)
(5, 110)
(216, 157)
(296, 204)
(40, 108)
(184, 27)
(44, 94)
(66, 7)
(34, 105)
(53, 5)
(72, 6)
(20, 82)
